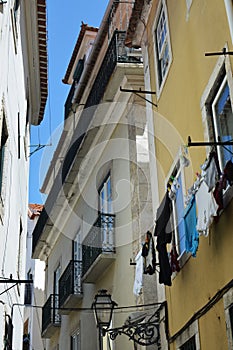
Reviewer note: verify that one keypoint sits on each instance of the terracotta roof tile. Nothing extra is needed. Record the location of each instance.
(34, 210)
(41, 23)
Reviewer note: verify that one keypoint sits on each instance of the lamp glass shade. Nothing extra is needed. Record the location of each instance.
(103, 307)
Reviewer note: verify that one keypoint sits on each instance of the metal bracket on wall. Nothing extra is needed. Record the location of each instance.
(223, 52)
(14, 281)
(210, 143)
(140, 91)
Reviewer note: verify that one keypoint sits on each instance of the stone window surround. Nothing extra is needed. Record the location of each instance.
(228, 302)
(192, 330)
(159, 87)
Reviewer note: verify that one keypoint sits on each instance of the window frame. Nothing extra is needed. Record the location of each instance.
(162, 7)
(189, 333)
(177, 167)
(215, 118)
(104, 189)
(222, 68)
(228, 304)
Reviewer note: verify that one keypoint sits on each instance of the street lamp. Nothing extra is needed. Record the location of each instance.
(143, 330)
(103, 306)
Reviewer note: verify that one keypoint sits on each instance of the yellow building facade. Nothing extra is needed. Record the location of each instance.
(188, 61)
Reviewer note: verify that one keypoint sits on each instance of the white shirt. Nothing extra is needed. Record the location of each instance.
(207, 209)
(138, 273)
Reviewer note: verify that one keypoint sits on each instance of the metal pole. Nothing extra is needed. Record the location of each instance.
(100, 339)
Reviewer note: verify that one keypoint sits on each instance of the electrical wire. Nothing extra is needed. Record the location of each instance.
(91, 308)
(201, 312)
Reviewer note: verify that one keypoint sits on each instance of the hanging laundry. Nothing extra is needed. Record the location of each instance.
(192, 190)
(211, 171)
(207, 209)
(148, 253)
(228, 172)
(163, 231)
(163, 228)
(190, 222)
(175, 266)
(174, 187)
(221, 185)
(138, 281)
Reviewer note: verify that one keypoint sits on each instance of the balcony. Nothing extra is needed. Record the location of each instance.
(70, 286)
(50, 316)
(117, 52)
(98, 249)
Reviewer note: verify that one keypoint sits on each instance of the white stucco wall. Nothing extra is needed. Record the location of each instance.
(14, 193)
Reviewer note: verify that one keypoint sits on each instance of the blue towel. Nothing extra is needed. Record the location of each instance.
(191, 234)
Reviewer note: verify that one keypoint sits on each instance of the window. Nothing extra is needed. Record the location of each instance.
(178, 208)
(216, 107)
(105, 197)
(56, 277)
(75, 342)
(189, 344)
(189, 339)
(162, 45)
(228, 307)
(106, 219)
(28, 290)
(8, 333)
(223, 120)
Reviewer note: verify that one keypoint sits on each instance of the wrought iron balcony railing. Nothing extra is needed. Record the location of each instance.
(100, 239)
(116, 52)
(70, 283)
(50, 314)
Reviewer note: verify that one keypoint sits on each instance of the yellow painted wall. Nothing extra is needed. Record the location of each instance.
(206, 30)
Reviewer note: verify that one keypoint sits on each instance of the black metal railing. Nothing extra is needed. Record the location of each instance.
(100, 239)
(50, 314)
(116, 52)
(70, 281)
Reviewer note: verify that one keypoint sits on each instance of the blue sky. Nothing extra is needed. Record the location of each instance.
(64, 20)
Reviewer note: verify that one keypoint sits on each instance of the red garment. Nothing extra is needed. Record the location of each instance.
(175, 266)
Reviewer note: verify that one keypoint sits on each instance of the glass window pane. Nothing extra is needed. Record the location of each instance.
(223, 121)
(189, 345)
(105, 197)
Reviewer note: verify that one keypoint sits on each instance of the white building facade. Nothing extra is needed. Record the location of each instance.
(23, 94)
(99, 207)
(34, 293)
